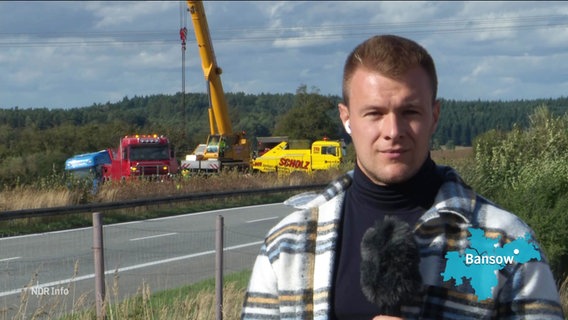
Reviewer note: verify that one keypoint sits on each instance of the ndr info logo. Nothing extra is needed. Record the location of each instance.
(48, 291)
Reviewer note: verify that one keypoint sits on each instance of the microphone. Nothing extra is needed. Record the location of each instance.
(390, 273)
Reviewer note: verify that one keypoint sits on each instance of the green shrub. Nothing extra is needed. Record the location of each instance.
(526, 172)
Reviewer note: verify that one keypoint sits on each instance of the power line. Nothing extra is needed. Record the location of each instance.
(85, 43)
(296, 33)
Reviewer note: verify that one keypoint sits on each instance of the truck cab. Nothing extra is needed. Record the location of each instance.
(89, 166)
(326, 154)
(142, 155)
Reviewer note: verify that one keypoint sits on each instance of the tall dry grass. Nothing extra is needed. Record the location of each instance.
(44, 306)
(200, 306)
(59, 194)
(196, 302)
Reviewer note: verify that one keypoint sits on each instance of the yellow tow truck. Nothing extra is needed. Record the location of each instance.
(323, 155)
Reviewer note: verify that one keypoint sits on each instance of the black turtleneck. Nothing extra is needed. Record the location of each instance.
(366, 202)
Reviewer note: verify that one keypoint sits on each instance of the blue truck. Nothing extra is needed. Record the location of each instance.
(89, 166)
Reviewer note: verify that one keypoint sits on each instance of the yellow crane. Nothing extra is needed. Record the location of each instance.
(224, 148)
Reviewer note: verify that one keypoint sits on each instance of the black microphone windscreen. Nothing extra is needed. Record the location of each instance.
(390, 259)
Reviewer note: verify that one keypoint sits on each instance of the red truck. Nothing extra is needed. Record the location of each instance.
(141, 155)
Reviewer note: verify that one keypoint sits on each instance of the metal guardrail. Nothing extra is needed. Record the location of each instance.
(94, 207)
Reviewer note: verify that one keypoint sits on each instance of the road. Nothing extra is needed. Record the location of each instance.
(57, 267)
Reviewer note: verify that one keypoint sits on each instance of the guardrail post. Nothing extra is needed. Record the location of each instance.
(219, 268)
(98, 255)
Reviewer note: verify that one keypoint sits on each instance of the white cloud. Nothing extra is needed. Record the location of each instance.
(79, 52)
(118, 13)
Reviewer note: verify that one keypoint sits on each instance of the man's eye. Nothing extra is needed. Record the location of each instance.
(373, 114)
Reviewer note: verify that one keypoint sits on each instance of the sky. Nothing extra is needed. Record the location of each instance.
(72, 54)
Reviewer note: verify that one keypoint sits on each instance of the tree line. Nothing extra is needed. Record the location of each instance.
(35, 142)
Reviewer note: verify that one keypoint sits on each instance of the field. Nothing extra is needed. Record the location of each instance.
(458, 153)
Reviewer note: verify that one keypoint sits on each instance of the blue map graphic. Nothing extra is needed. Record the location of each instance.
(484, 257)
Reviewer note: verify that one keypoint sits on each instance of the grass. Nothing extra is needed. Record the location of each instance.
(196, 301)
(59, 194)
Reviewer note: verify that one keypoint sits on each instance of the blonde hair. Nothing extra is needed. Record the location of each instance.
(391, 56)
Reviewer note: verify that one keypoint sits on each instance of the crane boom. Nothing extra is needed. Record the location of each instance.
(224, 148)
(211, 70)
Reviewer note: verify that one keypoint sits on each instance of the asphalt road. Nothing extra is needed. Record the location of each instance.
(57, 267)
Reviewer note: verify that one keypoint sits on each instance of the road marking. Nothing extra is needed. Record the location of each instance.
(215, 211)
(9, 259)
(137, 266)
(156, 236)
(265, 219)
(138, 221)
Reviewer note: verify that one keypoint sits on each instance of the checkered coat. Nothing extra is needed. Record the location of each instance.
(293, 273)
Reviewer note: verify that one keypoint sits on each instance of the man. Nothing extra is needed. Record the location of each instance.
(309, 264)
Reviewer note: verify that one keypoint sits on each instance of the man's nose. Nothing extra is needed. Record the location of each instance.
(393, 127)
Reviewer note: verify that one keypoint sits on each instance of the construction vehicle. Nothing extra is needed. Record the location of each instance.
(89, 167)
(224, 147)
(141, 156)
(323, 155)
